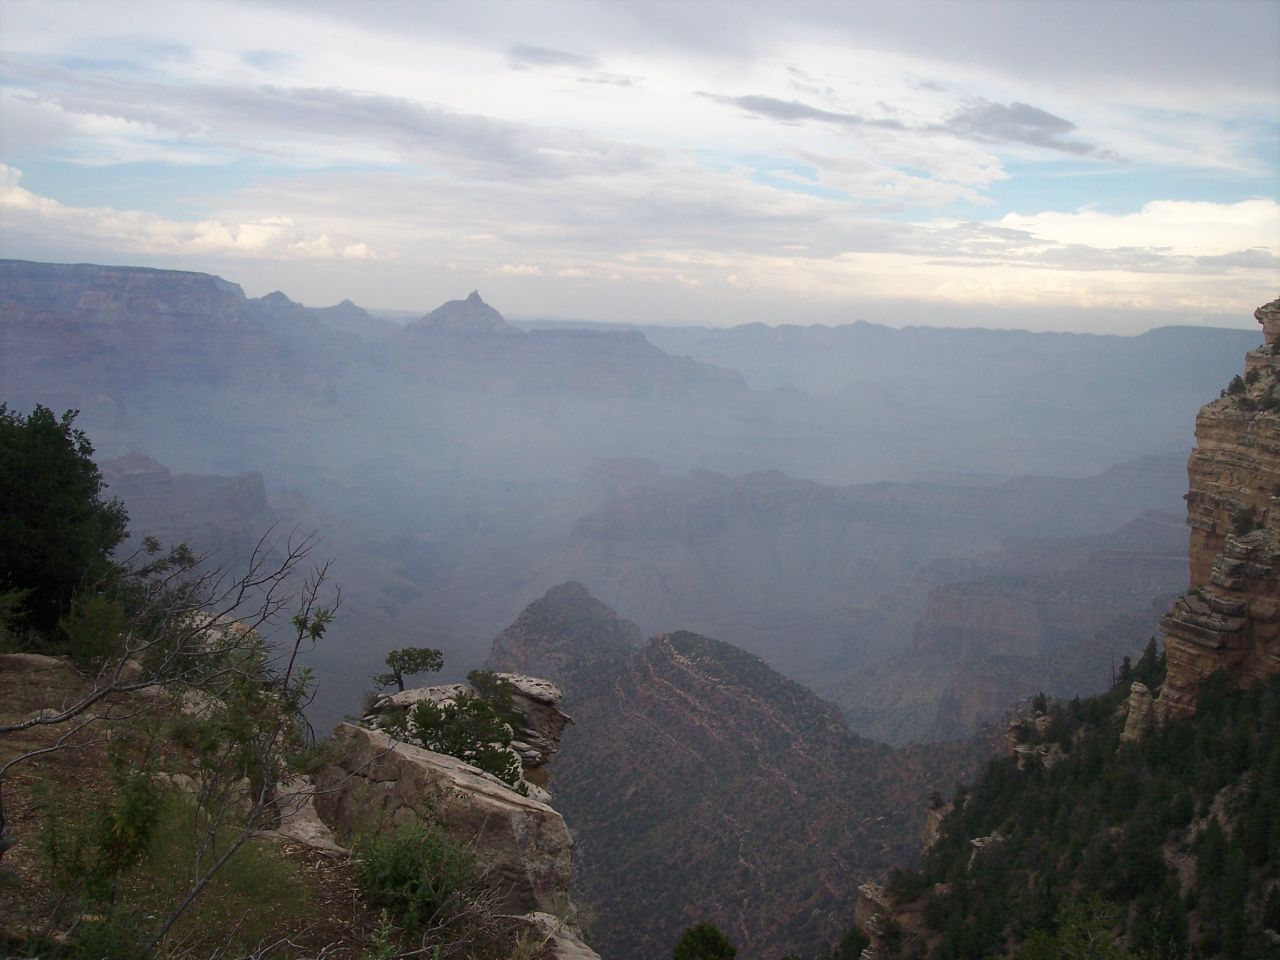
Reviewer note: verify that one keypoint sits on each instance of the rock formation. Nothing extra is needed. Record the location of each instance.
(1039, 614)
(538, 703)
(224, 515)
(536, 735)
(691, 759)
(1230, 620)
(1138, 713)
(376, 782)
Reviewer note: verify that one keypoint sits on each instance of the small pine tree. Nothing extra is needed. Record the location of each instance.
(408, 661)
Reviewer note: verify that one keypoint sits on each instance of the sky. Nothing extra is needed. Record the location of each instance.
(1078, 165)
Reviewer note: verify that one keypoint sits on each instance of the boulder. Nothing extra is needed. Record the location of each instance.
(378, 783)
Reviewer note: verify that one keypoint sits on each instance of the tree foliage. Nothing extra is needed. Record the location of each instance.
(470, 729)
(408, 661)
(704, 942)
(57, 531)
(1097, 822)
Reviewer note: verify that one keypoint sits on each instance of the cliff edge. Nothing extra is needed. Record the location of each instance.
(1230, 618)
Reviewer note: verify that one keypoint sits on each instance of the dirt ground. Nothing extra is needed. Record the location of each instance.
(337, 925)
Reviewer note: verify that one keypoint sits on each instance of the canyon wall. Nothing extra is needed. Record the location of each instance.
(1230, 619)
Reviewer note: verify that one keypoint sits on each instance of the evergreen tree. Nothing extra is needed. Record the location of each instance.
(56, 529)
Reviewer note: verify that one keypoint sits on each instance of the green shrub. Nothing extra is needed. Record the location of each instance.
(124, 865)
(414, 873)
(94, 628)
(471, 730)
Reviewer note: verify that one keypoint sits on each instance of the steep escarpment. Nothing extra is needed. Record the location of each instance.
(701, 785)
(1230, 621)
(223, 515)
(117, 327)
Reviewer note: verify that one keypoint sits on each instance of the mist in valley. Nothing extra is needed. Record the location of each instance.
(810, 494)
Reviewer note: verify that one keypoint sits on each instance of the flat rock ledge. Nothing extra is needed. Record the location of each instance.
(376, 783)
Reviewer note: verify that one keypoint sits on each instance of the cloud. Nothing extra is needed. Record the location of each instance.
(520, 270)
(1177, 227)
(792, 111)
(982, 121)
(27, 216)
(523, 56)
(320, 125)
(1020, 123)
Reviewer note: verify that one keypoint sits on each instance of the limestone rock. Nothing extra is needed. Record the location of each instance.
(873, 911)
(560, 941)
(1230, 620)
(538, 702)
(1140, 713)
(376, 782)
(299, 820)
(439, 694)
(979, 844)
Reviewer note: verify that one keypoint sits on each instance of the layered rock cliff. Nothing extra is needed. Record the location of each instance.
(1230, 619)
(223, 515)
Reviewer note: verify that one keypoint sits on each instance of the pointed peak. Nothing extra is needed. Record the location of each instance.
(470, 317)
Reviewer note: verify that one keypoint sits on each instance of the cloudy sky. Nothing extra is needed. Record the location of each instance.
(1067, 165)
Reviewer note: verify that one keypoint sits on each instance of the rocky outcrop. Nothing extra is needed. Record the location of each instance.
(1139, 713)
(558, 940)
(439, 694)
(377, 783)
(1230, 620)
(873, 915)
(890, 927)
(538, 703)
(933, 817)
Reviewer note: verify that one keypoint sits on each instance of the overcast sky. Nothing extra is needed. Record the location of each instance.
(1068, 165)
